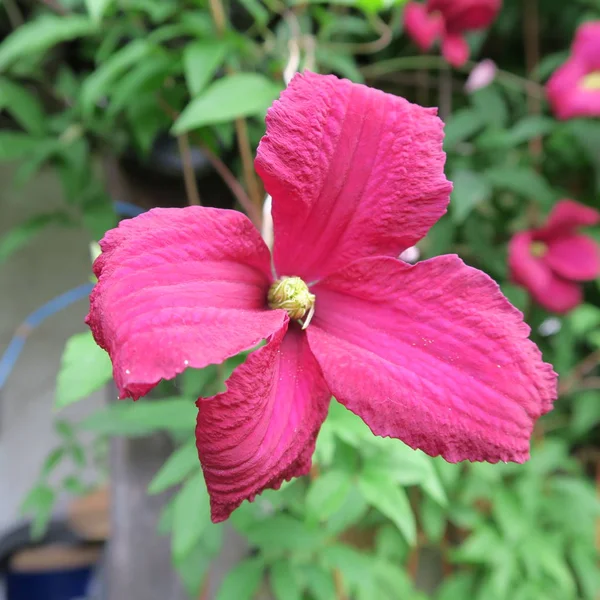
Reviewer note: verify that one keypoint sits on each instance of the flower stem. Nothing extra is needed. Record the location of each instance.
(531, 34)
(189, 177)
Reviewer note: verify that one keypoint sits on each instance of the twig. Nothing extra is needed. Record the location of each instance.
(338, 582)
(189, 176)
(445, 93)
(13, 12)
(587, 365)
(382, 42)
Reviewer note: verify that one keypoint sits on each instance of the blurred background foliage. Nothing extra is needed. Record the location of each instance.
(163, 101)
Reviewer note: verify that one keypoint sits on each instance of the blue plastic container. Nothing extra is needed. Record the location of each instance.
(70, 584)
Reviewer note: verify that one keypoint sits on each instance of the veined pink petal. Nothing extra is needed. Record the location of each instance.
(353, 172)
(422, 27)
(262, 431)
(574, 257)
(432, 354)
(526, 269)
(455, 49)
(566, 216)
(179, 288)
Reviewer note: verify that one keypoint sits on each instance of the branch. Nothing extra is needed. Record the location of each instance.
(189, 176)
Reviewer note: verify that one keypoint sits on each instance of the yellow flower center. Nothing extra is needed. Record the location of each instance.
(538, 249)
(591, 81)
(292, 295)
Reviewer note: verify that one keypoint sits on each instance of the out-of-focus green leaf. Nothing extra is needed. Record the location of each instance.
(39, 502)
(586, 412)
(259, 13)
(193, 569)
(470, 189)
(282, 532)
(234, 96)
(433, 519)
(200, 62)
(15, 145)
(191, 516)
(524, 181)
(40, 34)
(144, 417)
(319, 581)
(327, 494)
(517, 296)
(175, 469)
(53, 460)
(97, 8)
(349, 513)
(285, 581)
(355, 568)
(389, 499)
(23, 105)
(530, 127)
(491, 106)
(85, 368)
(243, 581)
(340, 63)
(460, 126)
(584, 319)
(584, 562)
(549, 64)
(22, 234)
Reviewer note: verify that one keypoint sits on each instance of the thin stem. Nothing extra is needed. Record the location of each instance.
(531, 34)
(189, 177)
(586, 366)
(445, 93)
(218, 15)
(338, 582)
(13, 12)
(382, 42)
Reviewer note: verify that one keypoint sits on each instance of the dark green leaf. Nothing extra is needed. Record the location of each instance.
(491, 106)
(193, 570)
(523, 181)
(23, 105)
(243, 581)
(327, 494)
(470, 189)
(285, 581)
(460, 126)
(15, 145)
(530, 127)
(176, 468)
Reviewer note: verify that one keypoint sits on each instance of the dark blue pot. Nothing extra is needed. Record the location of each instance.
(71, 584)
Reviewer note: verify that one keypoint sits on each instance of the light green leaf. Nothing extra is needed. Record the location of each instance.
(285, 581)
(38, 35)
(258, 12)
(517, 296)
(390, 500)
(470, 189)
(85, 368)
(53, 460)
(586, 412)
(191, 516)
(39, 502)
(22, 234)
(144, 417)
(234, 96)
(356, 568)
(350, 512)
(584, 319)
(175, 469)
(23, 105)
(283, 532)
(433, 519)
(327, 494)
(97, 8)
(243, 581)
(15, 145)
(491, 106)
(319, 581)
(200, 62)
(530, 127)
(193, 570)
(99, 82)
(460, 126)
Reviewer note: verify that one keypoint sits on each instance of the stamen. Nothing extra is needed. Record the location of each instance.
(292, 295)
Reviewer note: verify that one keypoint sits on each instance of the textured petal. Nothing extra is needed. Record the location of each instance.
(353, 172)
(455, 49)
(575, 257)
(432, 354)
(262, 431)
(178, 288)
(526, 269)
(565, 217)
(422, 27)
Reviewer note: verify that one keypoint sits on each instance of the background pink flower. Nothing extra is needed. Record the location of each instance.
(552, 261)
(448, 20)
(432, 354)
(574, 89)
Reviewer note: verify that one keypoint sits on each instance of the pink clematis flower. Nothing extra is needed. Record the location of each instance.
(448, 20)
(574, 89)
(551, 262)
(432, 354)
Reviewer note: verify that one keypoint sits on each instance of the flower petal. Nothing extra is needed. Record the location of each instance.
(566, 216)
(567, 94)
(526, 269)
(353, 172)
(455, 49)
(422, 27)
(559, 295)
(432, 354)
(178, 288)
(262, 431)
(466, 15)
(574, 257)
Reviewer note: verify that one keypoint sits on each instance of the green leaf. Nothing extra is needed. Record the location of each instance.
(319, 582)
(470, 189)
(97, 8)
(285, 581)
(53, 460)
(175, 469)
(530, 127)
(460, 126)
(234, 96)
(491, 106)
(327, 494)
(194, 381)
(586, 412)
(433, 520)
(144, 417)
(39, 502)
(283, 532)
(342, 63)
(22, 234)
(100, 81)
(243, 581)
(191, 516)
(15, 145)
(350, 512)
(390, 500)
(200, 62)
(38, 35)
(165, 519)
(584, 319)
(193, 570)
(258, 12)
(23, 105)
(355, 568)
(523, 181)
(517, 296)
(84, 368)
